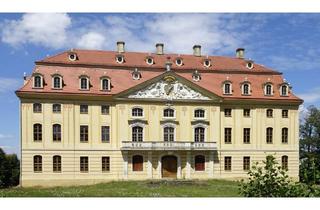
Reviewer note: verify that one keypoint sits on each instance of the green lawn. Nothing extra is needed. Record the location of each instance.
(208, 188)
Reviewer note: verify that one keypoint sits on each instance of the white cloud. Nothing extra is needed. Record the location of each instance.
(8, 84)
(91, 40)
(219, 33)
(311, 96)
(44, 29)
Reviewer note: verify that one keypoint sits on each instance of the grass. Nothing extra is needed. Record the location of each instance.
(172, 188)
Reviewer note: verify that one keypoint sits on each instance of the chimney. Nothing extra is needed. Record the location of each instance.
(240, 53)
(197, 50)
(120, 46)
(159, 47)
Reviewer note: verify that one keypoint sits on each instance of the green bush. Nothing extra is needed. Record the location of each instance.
(9, 170)
(272, 181)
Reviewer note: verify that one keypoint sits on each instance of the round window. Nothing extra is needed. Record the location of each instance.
(149, 61)
(179, 62)
(72, 57)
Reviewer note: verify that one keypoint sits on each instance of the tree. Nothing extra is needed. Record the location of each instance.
(9, 170)
(310, 147)
(273, 181)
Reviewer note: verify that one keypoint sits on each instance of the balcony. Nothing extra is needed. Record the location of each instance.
(168, 146)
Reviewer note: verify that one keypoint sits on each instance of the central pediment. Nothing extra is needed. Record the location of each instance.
(173, 90)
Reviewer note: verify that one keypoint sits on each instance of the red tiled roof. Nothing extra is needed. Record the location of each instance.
(102, 64)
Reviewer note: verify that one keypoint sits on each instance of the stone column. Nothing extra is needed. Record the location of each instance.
(149, 168)
(179, 176)
(125, 165)
(188, 175)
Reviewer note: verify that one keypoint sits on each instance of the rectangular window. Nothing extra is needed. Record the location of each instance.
(269, 113)
(105, 161)
(37, 163)
(246, 163)
(37, 108)
(227, 112)
(56, 108)
(84, 164)
(246, 135)
(105, 109)
(284, 113)
(227, 163)
(269, 135)
(246, 112)
(56, 163)
(105, 133)
(284, 136)
(227, 135)
(83, 109)
(84, 133)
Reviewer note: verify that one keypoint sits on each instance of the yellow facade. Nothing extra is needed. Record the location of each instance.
(70, 148)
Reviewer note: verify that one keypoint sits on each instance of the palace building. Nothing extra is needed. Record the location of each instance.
(90, 116)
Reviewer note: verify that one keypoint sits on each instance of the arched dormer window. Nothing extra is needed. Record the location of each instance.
(207, 62)
(227, 88)
(246, 89)
(268, 89)
(168, 113)
(196, 76)
(37, 81)
(57, 81)
(149, 60)
(119, 58)
(179, 61)
(136, 75)
(105, 84)
(284, 90)
(84, 82)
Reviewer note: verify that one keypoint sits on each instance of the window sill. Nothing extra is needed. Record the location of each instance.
(56, 88)
(37, 87)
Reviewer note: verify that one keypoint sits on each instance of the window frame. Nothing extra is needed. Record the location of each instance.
(84, 134)
(266, 89)
(82, 108)
(246, 111)
(286, 91)
(105, 137)
(35, 82)
(37, 164)
(225, 88)
(56, 164)
(54, 82)
(107, 107)
(135, 112)
(268, 111)
(105, 164)
(246, 163)
(168, 111)
(199, 110)
(285, 162)
(284, 135)
(37, 108)
(102, 84)
(246, 136)
(226, 111)
(285, 113)
(269, 135)
(54, 110)
(198, 136)
(87, 83)
(228, 135)
(137, 136)
(56, 132)
(169, 136)
(227, 163)
(243, 89)
(37, 132)
(84, 164)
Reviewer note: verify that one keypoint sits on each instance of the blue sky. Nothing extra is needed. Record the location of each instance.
(285, 42)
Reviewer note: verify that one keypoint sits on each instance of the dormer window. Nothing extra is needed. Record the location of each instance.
(149, 60)
(120, 58)
(284, 90)
(227, 88)
(84, 83)
(105, 84)
(136, 75)
(196, 76)
(38, 81)
(207, 63)
(268, 90)
(246, 90)
(72, 56)
(179, 62)
(57, 82)
(250, 64)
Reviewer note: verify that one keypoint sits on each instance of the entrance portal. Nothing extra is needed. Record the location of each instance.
(169, 166)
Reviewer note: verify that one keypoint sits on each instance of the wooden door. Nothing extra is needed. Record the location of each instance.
(169, 166)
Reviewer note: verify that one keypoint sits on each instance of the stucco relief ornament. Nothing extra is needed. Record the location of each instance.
(168, 89)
